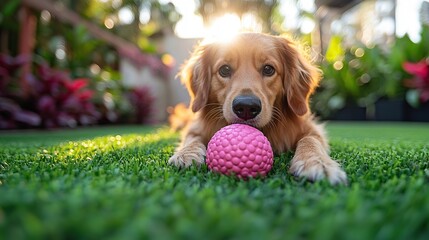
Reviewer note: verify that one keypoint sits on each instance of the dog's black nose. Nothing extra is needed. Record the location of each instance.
(246, 106)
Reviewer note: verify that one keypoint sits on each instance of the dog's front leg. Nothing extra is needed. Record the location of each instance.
(313, 162)
(191, 150)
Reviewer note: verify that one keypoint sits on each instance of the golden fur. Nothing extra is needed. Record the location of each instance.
(285, 117)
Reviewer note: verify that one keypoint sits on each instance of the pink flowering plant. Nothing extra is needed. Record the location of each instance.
(418, 84)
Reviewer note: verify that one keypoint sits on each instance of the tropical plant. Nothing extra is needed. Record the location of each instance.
(406, 50)
(352, 76)
(73, 49)
(361, 75)
(147, 18)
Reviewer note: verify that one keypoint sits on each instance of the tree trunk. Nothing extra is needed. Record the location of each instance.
(28, 22)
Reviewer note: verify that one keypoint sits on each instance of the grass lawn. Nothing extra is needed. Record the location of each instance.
(114, 183)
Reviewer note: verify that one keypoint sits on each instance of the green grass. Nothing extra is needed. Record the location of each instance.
(114, 183)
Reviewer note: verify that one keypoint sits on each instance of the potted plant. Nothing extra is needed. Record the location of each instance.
(353, 81)
(370, 80)
(401, 59)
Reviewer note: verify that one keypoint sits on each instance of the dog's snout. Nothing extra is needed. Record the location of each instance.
(246, 107)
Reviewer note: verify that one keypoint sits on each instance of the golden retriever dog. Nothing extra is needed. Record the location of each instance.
(263, 81)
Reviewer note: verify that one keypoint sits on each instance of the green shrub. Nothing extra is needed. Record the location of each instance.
(361, 75)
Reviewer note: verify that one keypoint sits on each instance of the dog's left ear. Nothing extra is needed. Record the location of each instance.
(195, 74)
(300, 77)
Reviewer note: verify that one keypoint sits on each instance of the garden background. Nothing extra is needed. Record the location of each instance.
(86, 88)
(73, 63)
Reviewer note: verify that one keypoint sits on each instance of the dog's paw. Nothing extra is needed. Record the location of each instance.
(186, 156)
(318, 168)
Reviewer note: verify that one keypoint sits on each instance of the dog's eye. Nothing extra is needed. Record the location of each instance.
(225, 71)
(268, 70)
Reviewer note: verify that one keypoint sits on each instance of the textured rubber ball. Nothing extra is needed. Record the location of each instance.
(239, 150)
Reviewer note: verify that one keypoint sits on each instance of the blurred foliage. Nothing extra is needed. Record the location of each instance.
(58, 100)
(82, 50)
(9, 26)
(73, 49)
(54, 100)
(335, 50)
(7, 10)
(120, 104)
(361, 75)
(148, 19)
(356, 76)
(74, 53)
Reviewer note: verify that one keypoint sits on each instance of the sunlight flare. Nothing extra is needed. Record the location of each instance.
(222, 29)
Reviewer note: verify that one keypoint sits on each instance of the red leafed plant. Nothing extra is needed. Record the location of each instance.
(54, 100)
(142, 102)
(12, 114)
(419, 83)
(62, 101)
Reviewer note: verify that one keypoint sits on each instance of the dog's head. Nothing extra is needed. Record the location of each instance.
(249, 79)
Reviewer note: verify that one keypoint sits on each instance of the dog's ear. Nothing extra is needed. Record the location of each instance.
(300, 77)
(196, 74)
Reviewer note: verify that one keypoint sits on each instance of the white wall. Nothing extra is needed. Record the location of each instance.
(181, 50)
(167, 92)
(138, 77)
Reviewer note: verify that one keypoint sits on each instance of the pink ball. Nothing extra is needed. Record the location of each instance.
(241, 150)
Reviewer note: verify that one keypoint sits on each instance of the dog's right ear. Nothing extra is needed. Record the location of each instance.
(196, 75)
(300, 79)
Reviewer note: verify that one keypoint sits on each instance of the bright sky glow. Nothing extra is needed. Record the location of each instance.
(223, 28)
(144, 15)
(125, 15)
(192, 25)
(407, 18)
(307, 25)
(291, 13)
